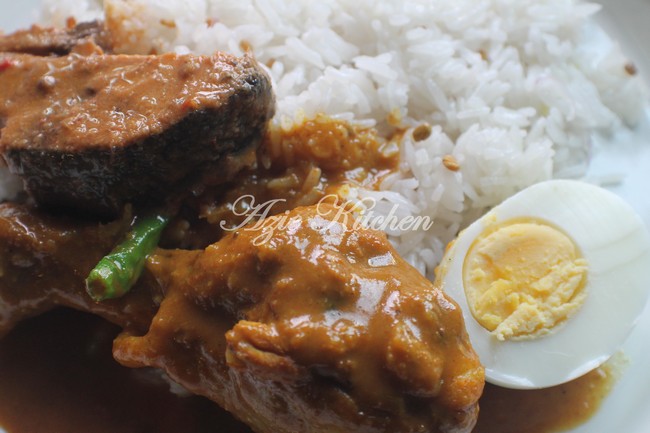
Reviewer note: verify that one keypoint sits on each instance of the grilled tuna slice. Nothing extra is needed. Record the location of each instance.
(92, 133)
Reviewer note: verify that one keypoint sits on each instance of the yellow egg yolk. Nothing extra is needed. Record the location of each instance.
(524, 278)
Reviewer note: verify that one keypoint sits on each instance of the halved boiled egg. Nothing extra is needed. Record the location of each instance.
(551, 282)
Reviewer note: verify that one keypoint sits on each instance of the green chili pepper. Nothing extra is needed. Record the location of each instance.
(117, 272)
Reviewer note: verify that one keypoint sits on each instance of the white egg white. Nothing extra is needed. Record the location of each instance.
(616, 244)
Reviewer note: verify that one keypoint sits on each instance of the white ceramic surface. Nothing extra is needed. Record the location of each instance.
(627, 408)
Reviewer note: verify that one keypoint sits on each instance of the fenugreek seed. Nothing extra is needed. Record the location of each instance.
(422, 132)
(245, 46)
(394, 118)
(168, 23)
(630, 68)
(450, 163)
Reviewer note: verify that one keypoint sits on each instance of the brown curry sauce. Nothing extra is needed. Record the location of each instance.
(57, 375)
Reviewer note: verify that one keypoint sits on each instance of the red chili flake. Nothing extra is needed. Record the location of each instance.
(5, 64)
(189, 104)
(70, 22)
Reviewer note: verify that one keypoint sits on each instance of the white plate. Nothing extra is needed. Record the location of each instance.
(627, 408)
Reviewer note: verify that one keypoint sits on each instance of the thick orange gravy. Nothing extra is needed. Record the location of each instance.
(294, 166)
(57, 376)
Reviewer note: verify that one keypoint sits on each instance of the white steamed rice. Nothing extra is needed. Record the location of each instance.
(515, 89)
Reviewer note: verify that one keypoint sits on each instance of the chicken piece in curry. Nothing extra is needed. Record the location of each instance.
(318, 327)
